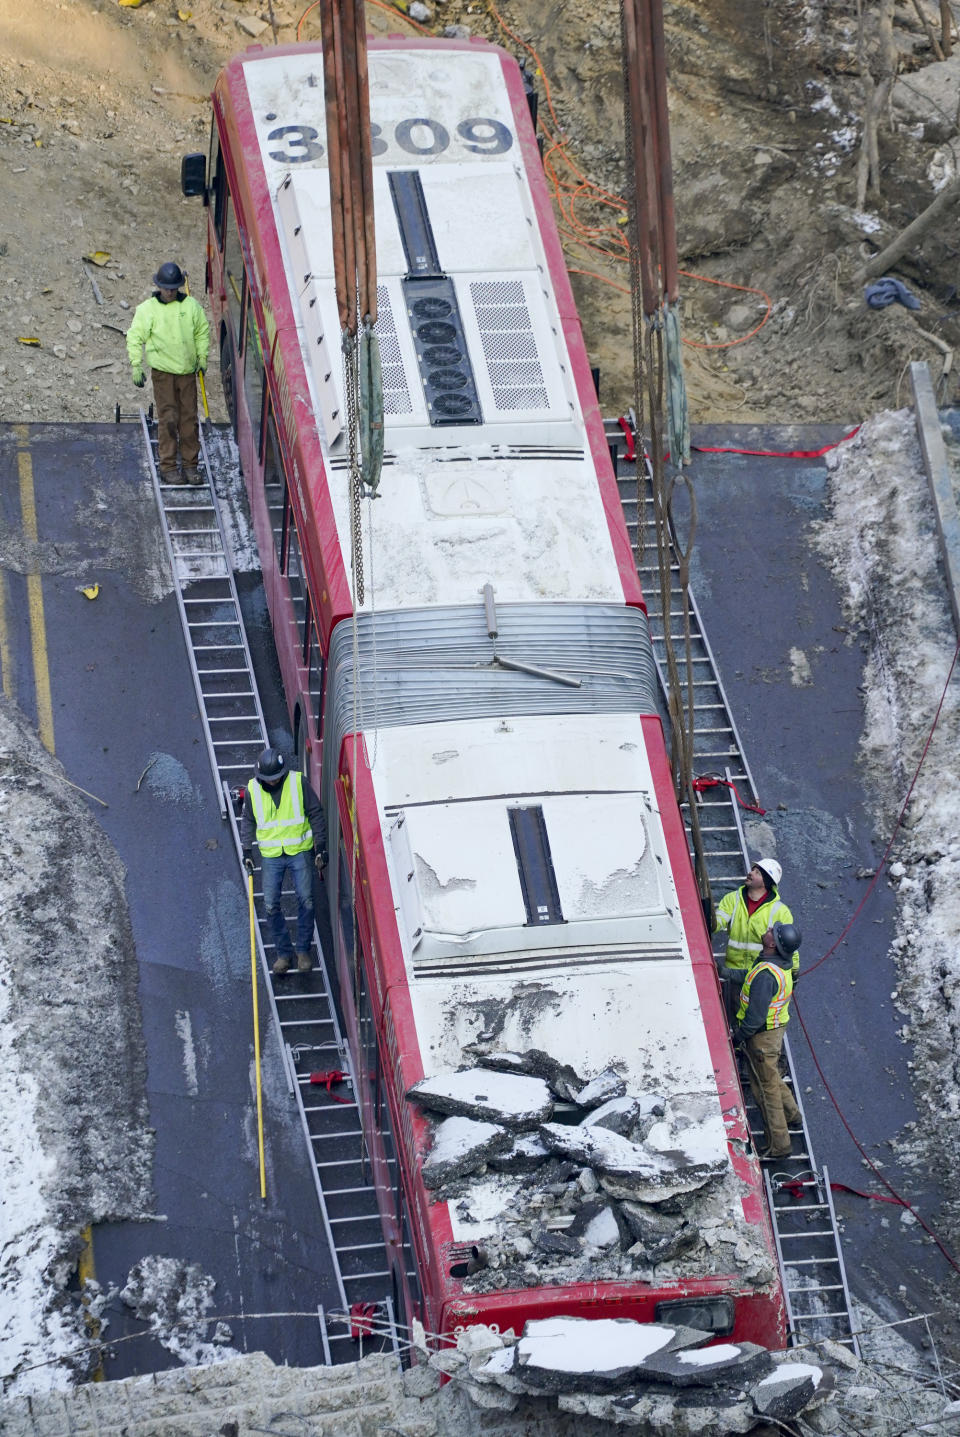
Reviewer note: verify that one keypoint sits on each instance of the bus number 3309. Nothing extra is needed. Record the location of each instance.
(418, 136)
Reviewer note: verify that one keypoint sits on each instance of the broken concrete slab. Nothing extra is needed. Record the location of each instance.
(557, 1244)
(562, 1080)
(606, 1085)
(787, 1390)
(658, 1236)
(567, 1354)
(461, 1146)
(585, 1214)
(497, 1367)
(603, 1230)
(526, 1155)
(479, 1341)
(511, 1099)
(688, 1142)
(490, 1396)
(733, 1363)
(618, 1114)
(421, 1381)
(625, 1169)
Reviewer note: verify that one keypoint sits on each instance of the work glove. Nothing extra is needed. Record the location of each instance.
(139, 378)
(321, 861)
(248, 862)
(200, 369)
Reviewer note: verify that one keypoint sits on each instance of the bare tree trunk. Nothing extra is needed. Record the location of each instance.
(946, 29)
(877, 94)
(914, 231)
(930, 32)
(863, 159)
(868, 164)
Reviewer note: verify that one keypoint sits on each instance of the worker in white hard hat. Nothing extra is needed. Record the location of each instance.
(745, 915)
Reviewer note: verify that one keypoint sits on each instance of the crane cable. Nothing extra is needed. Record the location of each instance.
(649, 373)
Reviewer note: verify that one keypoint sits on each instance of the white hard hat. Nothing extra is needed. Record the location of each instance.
(770, 866)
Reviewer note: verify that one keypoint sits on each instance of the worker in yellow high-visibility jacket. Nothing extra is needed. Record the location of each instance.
(762, 1016)
(282, 814)
(747, 912)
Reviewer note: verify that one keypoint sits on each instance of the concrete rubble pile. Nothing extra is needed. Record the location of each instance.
(648, 1377)
(626, 1183)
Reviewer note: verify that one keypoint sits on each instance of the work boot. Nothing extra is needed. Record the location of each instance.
(280, 966)
(766, 1155)
(192, 476)
(170, 476)
(304, 962)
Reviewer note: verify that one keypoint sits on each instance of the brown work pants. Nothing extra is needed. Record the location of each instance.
(175, 396)
(773, 1097)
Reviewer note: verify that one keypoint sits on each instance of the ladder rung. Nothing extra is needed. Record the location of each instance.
(820, 1232)
(811, 1262)
(818, 1288)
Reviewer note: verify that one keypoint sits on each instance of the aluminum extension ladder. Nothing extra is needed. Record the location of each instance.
(302, 1006)
(799, 1197)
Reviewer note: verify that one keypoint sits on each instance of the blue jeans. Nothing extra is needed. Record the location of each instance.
(272, 871)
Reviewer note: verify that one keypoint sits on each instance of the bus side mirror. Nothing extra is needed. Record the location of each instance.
(193, 175)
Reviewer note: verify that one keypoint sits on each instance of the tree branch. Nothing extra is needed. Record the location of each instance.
(913, 232)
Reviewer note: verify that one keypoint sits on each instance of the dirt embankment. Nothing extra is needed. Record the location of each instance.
(98, 101)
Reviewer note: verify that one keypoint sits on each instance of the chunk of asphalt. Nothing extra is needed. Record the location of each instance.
(511, 1099)
(730, 1363)
(461, 1146)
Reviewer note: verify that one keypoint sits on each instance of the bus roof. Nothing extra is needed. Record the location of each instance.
(516, 499)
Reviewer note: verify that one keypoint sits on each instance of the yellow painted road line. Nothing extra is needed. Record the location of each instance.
(41, 683)
(6, 654)
(38, 633)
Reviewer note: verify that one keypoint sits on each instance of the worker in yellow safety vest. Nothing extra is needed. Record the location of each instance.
(763, 1014)
(747, 912)
(282, 814)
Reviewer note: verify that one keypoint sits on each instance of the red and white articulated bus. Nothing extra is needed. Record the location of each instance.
(509, 872)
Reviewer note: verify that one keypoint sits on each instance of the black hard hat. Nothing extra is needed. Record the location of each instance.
(786, 937)
(169, 276)
(271, 766)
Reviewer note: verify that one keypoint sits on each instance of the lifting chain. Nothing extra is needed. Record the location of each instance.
(682, 720)
(351, 378)
(649, 370)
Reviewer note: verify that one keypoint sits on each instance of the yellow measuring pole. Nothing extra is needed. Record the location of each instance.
(256, 1034)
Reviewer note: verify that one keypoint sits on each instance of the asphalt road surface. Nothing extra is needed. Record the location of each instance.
(763, 591)
(127, 729)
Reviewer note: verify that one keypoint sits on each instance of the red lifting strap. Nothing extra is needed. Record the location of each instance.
(630, 452)
(708, 780)
(327, 1080)
(873, 1197)
(798, 1189)
(630, 448)
(361, 1319)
